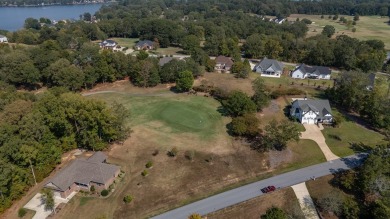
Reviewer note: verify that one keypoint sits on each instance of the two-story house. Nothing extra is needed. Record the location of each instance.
(223, 64)
(312, 111)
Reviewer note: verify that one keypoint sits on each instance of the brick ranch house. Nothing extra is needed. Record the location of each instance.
(81, 174)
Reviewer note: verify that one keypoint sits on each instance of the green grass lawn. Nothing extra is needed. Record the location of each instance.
(305, 153)
(126, 42)
(177, 113)
(350, 133)
(84, 200)
(367, 28)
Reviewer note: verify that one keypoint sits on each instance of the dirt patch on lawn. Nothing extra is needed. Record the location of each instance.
(227, 82)
(277, 158)
(126, 86)
(254, 208)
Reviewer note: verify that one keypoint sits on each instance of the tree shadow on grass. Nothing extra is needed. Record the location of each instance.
(359, 147)
(222, 111)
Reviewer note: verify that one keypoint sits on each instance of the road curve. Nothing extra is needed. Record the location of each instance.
(252, 190)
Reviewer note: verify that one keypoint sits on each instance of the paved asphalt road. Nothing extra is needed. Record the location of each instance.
(252, 190)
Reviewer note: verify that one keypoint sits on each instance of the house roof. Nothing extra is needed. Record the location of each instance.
(321, 106)
(316, 70)
(84, 171)
(108, 42)
(2, 36)
(143, 43)
(98, 157)
(267, 63)
(227, 61)
(164, 61)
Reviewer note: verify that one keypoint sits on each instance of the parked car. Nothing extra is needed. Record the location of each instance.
(268, 189)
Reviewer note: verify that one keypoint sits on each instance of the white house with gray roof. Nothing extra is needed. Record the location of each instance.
(314, 72)
(311, 111)
(82, 174)
(3, 39)
(269, 68)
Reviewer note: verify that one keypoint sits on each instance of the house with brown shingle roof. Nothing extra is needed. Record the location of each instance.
(223, 64)
(82, 174)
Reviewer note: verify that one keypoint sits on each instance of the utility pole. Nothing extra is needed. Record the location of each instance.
(32, 170)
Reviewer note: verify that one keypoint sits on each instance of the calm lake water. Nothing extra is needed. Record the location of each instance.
(12, 18)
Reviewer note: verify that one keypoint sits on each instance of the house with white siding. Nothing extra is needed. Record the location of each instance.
(312, 111)
(3, 39)
(314, 72)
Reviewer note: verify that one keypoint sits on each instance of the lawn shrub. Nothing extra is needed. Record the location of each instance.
(104, 192)
(128, 198)
(111, 187)
(209, 159)
(144, 173)
(149, 164)
(173, 152)
(92, 189)
(22, 212)
(190, 154)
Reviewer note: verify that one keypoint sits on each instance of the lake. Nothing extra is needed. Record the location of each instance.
(12, 18)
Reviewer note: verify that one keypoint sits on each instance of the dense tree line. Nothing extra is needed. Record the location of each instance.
(39, 3)
(213, 32)
(351, 92)
(280, 8)
(50, 65)
(370, 186)
(36, 129)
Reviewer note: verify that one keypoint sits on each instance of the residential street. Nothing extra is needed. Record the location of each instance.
(252, 190)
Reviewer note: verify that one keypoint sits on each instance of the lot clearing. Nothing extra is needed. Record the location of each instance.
(367, 28)
(161, 120)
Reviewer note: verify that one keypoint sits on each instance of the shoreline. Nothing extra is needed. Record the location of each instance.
(55, 4)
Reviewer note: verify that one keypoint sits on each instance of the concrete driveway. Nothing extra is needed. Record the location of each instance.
(313, 132)
(305, 201)
(38, 206)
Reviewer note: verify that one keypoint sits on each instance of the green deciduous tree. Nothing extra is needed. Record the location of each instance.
(190, 42)
(261, 94)
(328, 31)
(254, 46)
(274, 213)
(276, 135)
(246, 125)
(184, 81)
(47, 197)
(238, 104)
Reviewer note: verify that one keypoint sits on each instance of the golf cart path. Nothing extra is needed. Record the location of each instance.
(243, 193)
(305, 201)
(313, 132)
